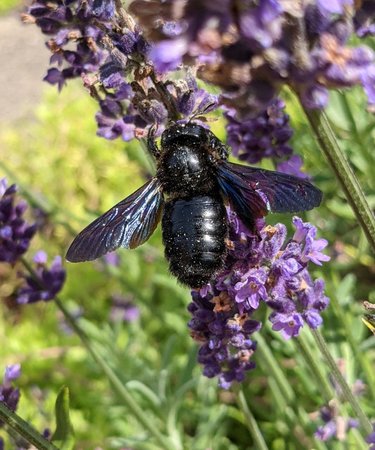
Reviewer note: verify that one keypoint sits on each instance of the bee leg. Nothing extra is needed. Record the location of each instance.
(151, 143)
(218, 147)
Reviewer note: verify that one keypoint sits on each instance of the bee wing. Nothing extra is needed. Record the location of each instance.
(128, 224)
(253, 191)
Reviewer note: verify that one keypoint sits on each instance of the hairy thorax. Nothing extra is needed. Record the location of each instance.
(185, 169)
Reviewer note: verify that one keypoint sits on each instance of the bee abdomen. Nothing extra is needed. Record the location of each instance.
(194, 232)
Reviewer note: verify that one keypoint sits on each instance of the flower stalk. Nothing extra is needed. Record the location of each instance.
(319, 375)
(251, 423)
(342, 315)
(20, 426)
(347, 393)
(274, 368)
(328, 143)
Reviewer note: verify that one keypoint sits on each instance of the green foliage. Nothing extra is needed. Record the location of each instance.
(63, 437)
(61, 165)
(9, 5)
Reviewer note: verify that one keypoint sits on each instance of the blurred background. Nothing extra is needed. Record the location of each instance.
(128, 304)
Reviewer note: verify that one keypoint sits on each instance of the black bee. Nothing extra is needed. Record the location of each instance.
(192, 182)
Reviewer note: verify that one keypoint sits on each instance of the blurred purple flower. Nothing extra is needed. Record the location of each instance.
(167, 55)
(11, 373)
(370, 439)
(8, 393)
(333, 6)
(65, 327)
(249, 50)
(364, 19)
(48, 283)
(112, 259)
(368, 81)
(335, 426)
(15, 232)
(123, 309)
(292, 166)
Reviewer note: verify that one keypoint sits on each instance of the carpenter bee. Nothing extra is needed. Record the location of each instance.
(188, 193)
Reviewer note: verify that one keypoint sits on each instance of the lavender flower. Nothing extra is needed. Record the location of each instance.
(251, 50)
(15, 232)
(123, 309)
(292, 166)
(71, 23)
(370, 439)
(48, 283)
(260, 268)
(109, 53)
(334, 424)
(8, 393)
(264, 136)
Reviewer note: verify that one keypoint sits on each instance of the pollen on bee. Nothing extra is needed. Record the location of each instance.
(229, 244)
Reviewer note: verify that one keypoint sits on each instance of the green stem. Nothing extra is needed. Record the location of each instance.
(344, 173)
(345, 322)
(274, 368)
(319, 375)
(118, 386)
(347, 393)
(251, 423)
(21, 427)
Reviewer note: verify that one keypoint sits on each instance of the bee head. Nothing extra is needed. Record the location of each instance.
(181, 133)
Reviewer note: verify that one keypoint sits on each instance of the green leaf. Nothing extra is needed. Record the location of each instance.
(63, 436)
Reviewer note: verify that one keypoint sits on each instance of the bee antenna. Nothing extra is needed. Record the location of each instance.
(201, 111)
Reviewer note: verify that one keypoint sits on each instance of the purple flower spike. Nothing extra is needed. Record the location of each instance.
(261, 266)
(9, 394)
(15, 232)
(48, 284)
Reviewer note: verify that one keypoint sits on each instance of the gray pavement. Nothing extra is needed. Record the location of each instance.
(23, 64)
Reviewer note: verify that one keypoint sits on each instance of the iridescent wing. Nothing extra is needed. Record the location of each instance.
(253, 191)
(128, 224)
